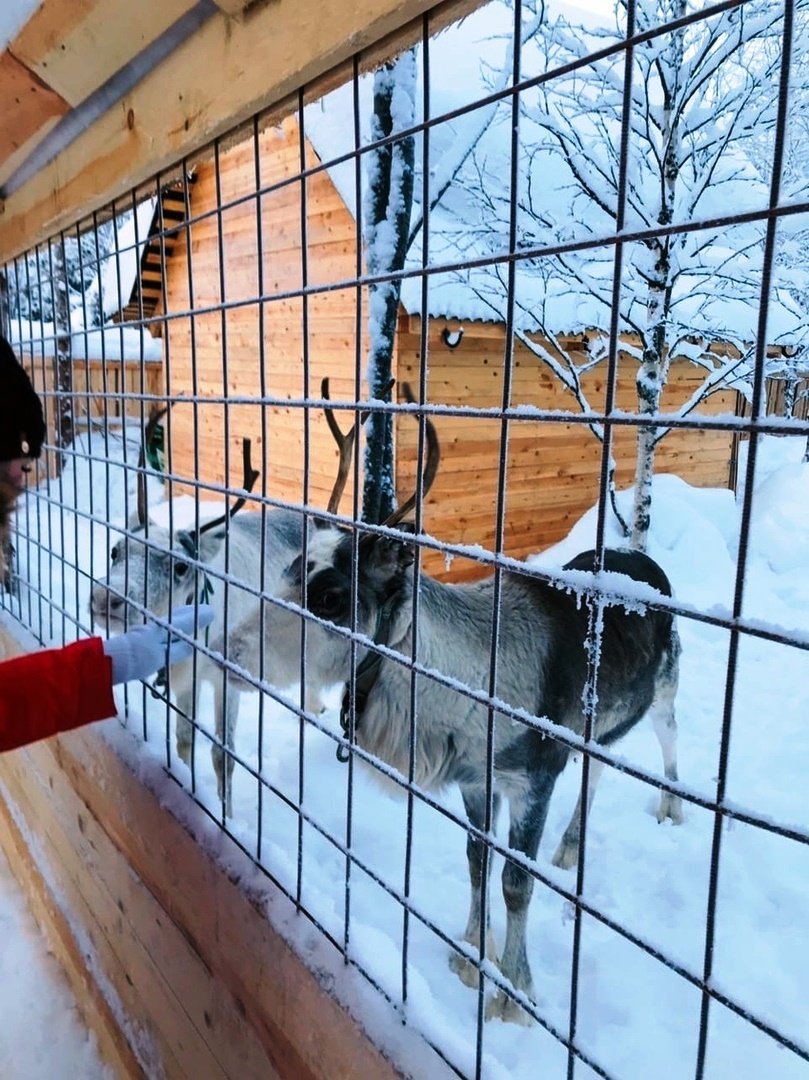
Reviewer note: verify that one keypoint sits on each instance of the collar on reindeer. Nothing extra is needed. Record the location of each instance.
(191, 548)
(365, 679)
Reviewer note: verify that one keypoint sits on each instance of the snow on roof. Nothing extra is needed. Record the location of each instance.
(119, 274)
(460, 56)
(97, 343)
(466, 63)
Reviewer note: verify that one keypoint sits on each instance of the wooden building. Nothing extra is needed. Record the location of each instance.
(251, 350)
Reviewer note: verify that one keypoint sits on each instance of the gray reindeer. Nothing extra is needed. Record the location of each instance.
(152, 569)
(541, 670)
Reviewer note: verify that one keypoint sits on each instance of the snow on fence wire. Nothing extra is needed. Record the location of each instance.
(580, 243)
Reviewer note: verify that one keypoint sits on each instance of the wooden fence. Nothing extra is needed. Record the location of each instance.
(109, 388)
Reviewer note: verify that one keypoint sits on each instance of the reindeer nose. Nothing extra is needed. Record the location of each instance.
(102, 604)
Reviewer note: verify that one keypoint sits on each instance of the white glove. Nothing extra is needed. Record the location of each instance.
(142, 651)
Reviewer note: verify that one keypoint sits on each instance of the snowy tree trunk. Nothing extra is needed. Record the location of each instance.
(790, 393)
(653, 371)
(63, 361)
(388, 207)
(650, 385)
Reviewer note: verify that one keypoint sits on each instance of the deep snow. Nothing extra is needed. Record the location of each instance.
(637, 1018)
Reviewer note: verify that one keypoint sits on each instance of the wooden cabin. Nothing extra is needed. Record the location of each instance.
(254, 350)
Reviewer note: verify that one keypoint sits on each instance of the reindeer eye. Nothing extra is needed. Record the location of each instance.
(180, 569)
(329, 602)
(116, 551)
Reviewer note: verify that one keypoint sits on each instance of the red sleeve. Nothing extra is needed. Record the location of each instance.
(47, 692)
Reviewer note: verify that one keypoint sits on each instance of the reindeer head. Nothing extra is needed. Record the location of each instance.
(327, 573)
(383, 563)
(152, 572)
(152, 568)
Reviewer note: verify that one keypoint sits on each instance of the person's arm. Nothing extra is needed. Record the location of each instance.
(44, 693)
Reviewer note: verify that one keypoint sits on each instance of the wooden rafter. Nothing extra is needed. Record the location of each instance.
(30, 109)
(76, 47)
(223, 74)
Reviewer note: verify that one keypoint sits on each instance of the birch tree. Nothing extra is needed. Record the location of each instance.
(700, 93)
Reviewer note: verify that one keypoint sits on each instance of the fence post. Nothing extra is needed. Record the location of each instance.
(5, 319)
(63, 360)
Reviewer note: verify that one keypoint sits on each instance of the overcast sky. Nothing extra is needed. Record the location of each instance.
(13, 15)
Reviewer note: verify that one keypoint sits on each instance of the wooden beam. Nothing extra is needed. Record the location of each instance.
(233, 8)
(184, 942)
(30, 107)
(259, 61)
(76, 47)
(10, 164)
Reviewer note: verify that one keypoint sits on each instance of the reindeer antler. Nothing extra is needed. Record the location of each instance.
(430, 466)
(155, 416)
(345, 445)
(250, 477)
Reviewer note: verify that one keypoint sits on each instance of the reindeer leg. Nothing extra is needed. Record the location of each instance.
(665, 726)
(243, 647)
(474, 800)
(528, 815)
(226, 708)
(567, 854)
(186, 700)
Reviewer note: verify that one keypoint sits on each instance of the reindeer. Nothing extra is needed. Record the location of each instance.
(541, 670)
(151, 568)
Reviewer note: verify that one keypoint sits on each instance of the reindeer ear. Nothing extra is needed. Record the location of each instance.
(205, 547)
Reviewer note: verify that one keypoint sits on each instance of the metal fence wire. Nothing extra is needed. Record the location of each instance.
(568, 246)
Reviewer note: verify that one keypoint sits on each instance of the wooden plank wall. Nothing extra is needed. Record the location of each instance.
(553, 468)
(102, 390)
(174, 963)
(234, 340)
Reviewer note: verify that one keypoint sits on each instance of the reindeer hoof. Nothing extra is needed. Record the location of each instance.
(567, 854)
(227, 805)
(467, 971)
(502, 1007)
(671, 808)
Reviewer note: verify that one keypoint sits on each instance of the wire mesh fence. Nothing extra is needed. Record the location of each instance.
(563, 252)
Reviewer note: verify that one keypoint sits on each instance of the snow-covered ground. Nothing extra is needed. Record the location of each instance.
(637, 1018)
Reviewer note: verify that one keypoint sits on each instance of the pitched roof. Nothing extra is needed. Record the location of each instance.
(131, 278)
(466, 64)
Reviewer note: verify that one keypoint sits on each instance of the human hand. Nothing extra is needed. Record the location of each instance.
(144, 650)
